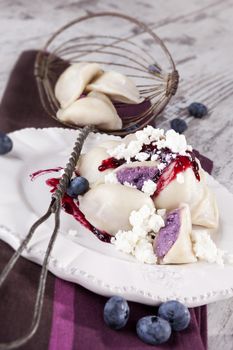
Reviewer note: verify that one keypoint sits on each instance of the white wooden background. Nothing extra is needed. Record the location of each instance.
(199, 34)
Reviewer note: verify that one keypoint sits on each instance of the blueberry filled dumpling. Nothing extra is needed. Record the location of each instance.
(89, 163)
(108, 206)
(117, 86)
(173, 243)
(94, 109)
(206, 212)
(72, 82)
(186, 188)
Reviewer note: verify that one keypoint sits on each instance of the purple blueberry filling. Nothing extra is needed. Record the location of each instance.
(168, 234)
(136, 176)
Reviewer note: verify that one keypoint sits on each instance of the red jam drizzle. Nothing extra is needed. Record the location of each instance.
(178, 165)
(110, 163)
(38, 173)
(70, 205)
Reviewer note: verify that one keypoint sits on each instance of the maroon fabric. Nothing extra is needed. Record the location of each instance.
(20, 107)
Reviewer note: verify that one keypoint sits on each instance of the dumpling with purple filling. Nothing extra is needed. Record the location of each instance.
(108, 206)
(187, 189)
(73, 81)
(173, 243)
(89, 162)
(117, 86)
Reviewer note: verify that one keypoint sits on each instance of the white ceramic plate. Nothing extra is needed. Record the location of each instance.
(82, 258)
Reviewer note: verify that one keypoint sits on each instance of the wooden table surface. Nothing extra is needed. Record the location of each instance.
(199, 35)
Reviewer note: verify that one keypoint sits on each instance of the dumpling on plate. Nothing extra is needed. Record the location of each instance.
(73, 81)
(173, 245)
(108, 206)
(89, 162)
(95, 109)
(190, 191)
(206, 212)
(117, 86)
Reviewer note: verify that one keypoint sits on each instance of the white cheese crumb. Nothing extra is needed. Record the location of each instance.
(138, 241)
(149, 187)
(180, 178)
(205, 248)
(144, 252)
(142, 156)
(129, 184)
(110, 178)
(154, 157)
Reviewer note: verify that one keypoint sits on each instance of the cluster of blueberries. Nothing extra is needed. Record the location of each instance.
(154, 330)
(196, 110)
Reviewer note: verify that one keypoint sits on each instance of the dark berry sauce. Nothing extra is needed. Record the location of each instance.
(70, 205)
(110, 163)
(178, 165)
(36, 174)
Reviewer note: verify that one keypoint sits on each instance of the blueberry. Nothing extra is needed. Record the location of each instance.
(5, 143)
(197, 110)
(116, 312)
(153, 330)
(79, 185)
(179, 125)
(176, 313)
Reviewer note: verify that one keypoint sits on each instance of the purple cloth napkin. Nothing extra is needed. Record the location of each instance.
(72, 316)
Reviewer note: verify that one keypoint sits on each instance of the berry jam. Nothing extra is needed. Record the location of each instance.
(178, 165)
(36, 174)
(110, 163)
(70, 205)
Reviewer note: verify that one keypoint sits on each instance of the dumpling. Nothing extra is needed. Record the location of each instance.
(89, 162)
(108, 206)
(117, 86)
(73, 81)
(206, 212)
(95, 109)
(173, 244)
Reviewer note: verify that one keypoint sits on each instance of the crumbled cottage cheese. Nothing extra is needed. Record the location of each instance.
(138, 241)
(205, 249)
(173, 140)
(149, 187)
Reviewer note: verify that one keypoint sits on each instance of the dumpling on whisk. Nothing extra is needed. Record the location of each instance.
(94, 109)
(73, 81)
(117, 86)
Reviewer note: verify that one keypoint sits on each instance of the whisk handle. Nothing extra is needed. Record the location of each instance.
(72, 162)
(54, 207)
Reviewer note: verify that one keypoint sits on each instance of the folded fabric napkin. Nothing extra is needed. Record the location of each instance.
(72, 316)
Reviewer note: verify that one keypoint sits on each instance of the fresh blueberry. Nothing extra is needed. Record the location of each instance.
(176, 313)
(153, 330)
(116, 312)
(5, 143)
(197, 110)
(79, 185)
(179, 125)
